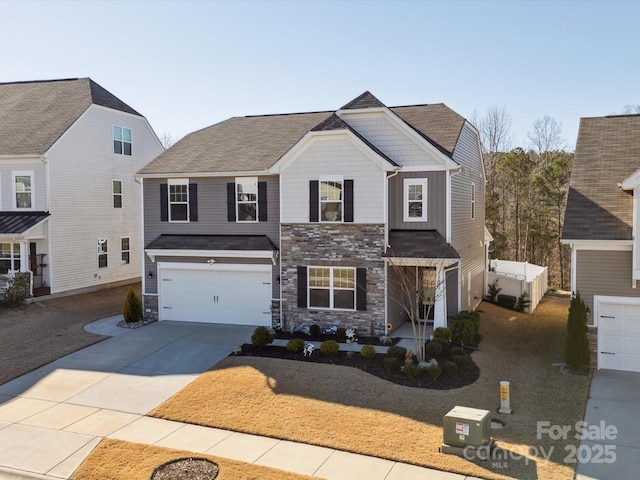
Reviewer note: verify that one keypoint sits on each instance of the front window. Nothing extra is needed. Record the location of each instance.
(117, 194)
(332, 287)
(247, 199)
(126, 251)
(415, 200)
(122, 140)
(330, 200)
(179, 200)
(23, 186)
(102, 253)
(9, 257)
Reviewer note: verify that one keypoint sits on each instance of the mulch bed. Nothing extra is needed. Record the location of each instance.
(375, 366)
(330, 336)
(186, 469)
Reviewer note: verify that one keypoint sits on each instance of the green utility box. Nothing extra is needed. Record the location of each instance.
(467, 427)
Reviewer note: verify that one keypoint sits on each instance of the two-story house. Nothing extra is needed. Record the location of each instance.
(288, 220)
(601, 226)
(69, 202)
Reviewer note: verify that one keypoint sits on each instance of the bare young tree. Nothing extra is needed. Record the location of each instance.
(496, 137)
(631, 109)
(167, 140)
(546, 137)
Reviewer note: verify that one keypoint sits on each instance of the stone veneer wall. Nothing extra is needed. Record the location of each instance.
(333, 245)
(150, 303)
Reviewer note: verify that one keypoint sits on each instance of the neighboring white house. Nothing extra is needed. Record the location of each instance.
(69, 205)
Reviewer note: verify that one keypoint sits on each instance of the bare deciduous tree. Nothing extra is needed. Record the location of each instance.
(167, 140)
(546, 137)
(495, 133)
(629, 109)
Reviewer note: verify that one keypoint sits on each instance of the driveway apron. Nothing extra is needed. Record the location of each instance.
(612, 448)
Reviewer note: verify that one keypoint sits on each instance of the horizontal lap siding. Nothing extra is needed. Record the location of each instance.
(39, 186)
(333, 156)
(436, 201)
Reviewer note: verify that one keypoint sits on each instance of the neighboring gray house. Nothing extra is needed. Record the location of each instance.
(285, 220)
(600, 225)
(69, 203)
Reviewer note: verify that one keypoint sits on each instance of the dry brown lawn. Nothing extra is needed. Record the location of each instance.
(118, 460)
(35, 334)
(348, 409)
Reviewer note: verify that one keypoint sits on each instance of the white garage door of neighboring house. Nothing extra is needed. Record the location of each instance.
(618, 333)
(219, 293)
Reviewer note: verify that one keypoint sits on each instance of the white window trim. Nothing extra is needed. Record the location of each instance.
(424, 182)
(113, 193)
(122, 262)
(177, 181)
(331, 289)
(23, 173)
(331, 178)
(473, 201)
(239, 180)
(113, 139)
(100, 242)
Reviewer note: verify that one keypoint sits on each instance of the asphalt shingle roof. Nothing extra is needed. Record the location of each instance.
(607, 152)
(419, 244)
(255, 143)
(212, 242)
(33, 115)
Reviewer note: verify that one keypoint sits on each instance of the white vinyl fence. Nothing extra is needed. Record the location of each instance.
(515, 278)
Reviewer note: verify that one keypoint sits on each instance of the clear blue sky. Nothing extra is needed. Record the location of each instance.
(187, 65)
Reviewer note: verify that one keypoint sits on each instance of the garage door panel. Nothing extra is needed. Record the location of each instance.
(619, 335)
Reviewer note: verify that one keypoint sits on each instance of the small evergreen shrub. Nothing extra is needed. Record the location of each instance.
(411, 370)
(507, 301)
(434, 371)
(444, 344)
(341, 335)
(450, 368)
(443, 333)
(391, 364)
(494, 290)
(397, 352)
(329, 348)
(458, 351)
(295, 345)
(314, 330)
(459, 360)
(368, 351)
(464, 327)
(132, 311)
(17, 289)
(578, 354)
(261, 337)
(523, 302)
(433, 348)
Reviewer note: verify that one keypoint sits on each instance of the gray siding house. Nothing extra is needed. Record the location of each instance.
(601, 224)
(293, 219)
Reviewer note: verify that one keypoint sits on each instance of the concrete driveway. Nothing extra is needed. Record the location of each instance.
(613, 425)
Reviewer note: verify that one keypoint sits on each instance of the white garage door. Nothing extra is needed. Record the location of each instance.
(618, 333)
(219, 293)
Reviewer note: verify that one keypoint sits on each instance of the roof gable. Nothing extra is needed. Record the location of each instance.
(365, 100)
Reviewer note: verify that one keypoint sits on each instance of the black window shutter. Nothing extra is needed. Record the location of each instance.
(193, 202)
(302, 287)
(164, 202)
(262, 201)
(361, 288)
(314, 200)
(348, 200)
(231, 202)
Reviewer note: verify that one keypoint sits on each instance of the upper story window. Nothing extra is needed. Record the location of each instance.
(179, 200)
(473, 201)
(117, 194)
(23, 190)
(247, 199)
(415, 199)
(331, 199)
(332, 287)
(121, 140)
(125, 251)
(102, 253)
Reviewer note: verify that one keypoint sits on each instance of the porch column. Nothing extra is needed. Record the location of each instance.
(440, 306)
(24, 256)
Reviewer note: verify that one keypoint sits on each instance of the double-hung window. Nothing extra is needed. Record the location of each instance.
(415, 199)
(9, 257)
(247, 199)
(332, 288)
(126, 251)
(102, 253)
(179, 200)
(117, 194)
(23, 190)
(121, 140)
(331, 199)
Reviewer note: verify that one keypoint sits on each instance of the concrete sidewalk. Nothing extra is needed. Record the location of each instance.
(53, 417)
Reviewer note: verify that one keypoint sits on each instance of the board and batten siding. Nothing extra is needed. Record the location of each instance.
(8, 168)
(436, 202)
(334, 155)
(212, 217)
(604, 272)
(378, 129)
(467, 234)
(82, 167)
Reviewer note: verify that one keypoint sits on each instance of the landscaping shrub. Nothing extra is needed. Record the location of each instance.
(458, 351)
(433, 348)
(434, 371)
(444, 344)
(132, 311)
(411, 370)
(329, 348)
(341, 334)
(449, 367)
(494, 290)
(464, 327)
(17, 290)
(295, 345)
(391, 364)
(523, 302)
(443, 333)
(261, 337)
(507, 301)
(578, 355)
(368, 351)
(397, 352)
(459, 360)
(314, 330)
